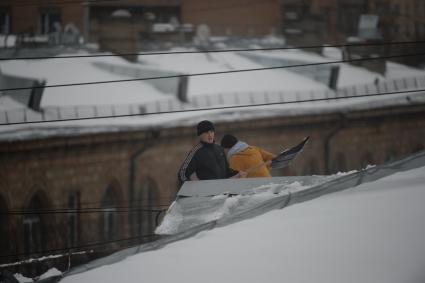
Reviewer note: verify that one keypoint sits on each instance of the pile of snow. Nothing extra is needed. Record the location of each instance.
(186, 213)
(163, 27)
(22, 279)
(371, 233)
(273, 40)
(396, 71)
(182, 217)
(332, 52)
(7, 41)
(349, 75)
(49, 273)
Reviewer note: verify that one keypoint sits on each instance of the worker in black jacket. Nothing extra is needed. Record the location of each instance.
(206, 160)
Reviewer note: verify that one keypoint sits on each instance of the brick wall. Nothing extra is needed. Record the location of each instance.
(27, 18)
(237, 17)
(52, 169)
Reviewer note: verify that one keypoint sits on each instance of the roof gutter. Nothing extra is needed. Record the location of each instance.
(152, 134)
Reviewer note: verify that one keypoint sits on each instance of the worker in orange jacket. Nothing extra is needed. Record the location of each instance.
(243, 157)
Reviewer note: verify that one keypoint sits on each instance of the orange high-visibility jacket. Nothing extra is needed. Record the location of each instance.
(249, 157)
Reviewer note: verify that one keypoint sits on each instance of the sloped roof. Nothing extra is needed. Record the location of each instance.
(280, 196)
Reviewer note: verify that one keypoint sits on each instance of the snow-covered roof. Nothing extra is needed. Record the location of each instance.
(81, 70)
(370, 232)
(133, 97)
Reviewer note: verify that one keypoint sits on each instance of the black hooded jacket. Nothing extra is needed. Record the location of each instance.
(208, 161)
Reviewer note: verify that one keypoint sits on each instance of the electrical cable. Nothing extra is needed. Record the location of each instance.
(79, 247)
(78, 211)
(214, 73)
(44, 258)
(136, 206)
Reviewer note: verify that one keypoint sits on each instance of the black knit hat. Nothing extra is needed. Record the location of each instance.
(205, 126)
(228, 141)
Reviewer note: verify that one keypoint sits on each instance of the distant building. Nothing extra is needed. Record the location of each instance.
(301, 22)
(129, 26)
(339, 19)
(117, 24)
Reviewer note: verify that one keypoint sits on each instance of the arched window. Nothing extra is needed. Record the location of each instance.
(34, 227)
(109, 219)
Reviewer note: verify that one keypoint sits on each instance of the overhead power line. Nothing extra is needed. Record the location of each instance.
(79, 247)
(44, 258)
(216, 73)
(216, 50)
(218, 108)
(76, 211)
(65, 253)
(138, 204)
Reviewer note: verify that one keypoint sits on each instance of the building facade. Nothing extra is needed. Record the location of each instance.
(77, 191)
(307, 21)
(336, 20)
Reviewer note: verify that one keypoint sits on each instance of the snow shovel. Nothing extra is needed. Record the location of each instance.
(283, 158)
